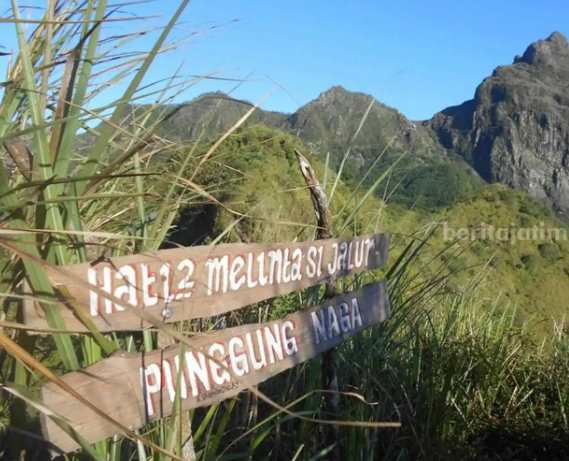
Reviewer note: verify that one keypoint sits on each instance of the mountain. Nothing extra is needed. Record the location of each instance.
(216, 112)
(331, 121)
(332, 124)
(515, 130)
(327, 124)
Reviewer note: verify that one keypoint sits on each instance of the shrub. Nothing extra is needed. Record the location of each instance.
(477, 248)
(436, 186)
(549, 251)
(530, 261)
(526, 221)
(507, 196)
(454, 263)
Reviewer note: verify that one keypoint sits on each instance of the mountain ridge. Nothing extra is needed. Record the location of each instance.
(514, 131)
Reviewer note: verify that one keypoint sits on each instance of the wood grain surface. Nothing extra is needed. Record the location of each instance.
(135, 389)
(187, 283)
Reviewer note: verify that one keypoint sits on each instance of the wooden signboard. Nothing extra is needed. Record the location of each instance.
(135, 389)
(187, 283)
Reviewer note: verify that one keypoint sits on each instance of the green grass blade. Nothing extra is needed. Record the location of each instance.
(322, 453)
(42, 155)
(39, 281)
(108, 346)
(370, 191)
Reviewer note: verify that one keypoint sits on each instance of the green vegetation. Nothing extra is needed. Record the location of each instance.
(474, 362)
(531, 262)
(331, 127)
(259, 166)
(436, 186)
(550, 252)
(526, 250)
(255, 174)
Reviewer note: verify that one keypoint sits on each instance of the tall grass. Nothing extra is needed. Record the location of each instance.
(463, 379)
(74, 189)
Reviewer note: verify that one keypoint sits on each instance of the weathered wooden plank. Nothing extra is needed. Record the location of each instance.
(138, 388)
(187, 283)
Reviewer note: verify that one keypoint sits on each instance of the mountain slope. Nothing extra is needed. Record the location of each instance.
(332, 124)
(514, 131)
(216, 112)
(256, 177)
(526, 244)
(516, 128)
(331, 121)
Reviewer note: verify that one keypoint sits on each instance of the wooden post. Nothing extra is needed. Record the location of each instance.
(324, 220)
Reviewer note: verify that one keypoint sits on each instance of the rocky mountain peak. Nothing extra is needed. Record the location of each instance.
(516, 129)
(339, 96)
(559, 38)
(213, 94)
(334, 91)
(549, 52)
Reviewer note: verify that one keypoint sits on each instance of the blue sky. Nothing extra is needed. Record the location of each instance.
(418, 56)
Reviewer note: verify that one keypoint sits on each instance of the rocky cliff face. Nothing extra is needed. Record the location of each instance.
(516, 129)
